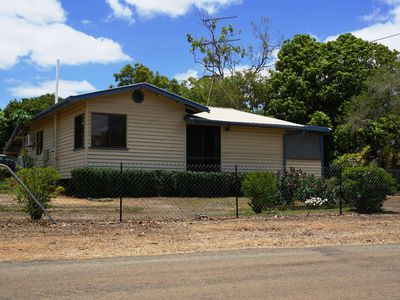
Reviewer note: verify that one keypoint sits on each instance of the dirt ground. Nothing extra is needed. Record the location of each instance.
(90, 230)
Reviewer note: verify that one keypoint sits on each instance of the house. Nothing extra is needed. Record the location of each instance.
(145, 126)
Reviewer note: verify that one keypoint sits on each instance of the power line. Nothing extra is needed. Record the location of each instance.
(386, 37)
(373, 41)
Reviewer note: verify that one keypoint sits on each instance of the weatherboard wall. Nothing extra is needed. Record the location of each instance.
(69, 158)
(156, 132)
(45, 124)
(309, 166)
(251, 148)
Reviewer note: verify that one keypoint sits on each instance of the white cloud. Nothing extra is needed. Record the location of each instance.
(36, 30)
(120, 10)
(186, 75)
(173, 8)
(66, 88)
(375, 15)
(381, 29)
(86, 22)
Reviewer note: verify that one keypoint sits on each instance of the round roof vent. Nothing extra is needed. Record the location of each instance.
(138, 96)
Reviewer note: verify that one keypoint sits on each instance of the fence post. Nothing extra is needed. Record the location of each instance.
(340, 192)
(121, 194)
(237, 191)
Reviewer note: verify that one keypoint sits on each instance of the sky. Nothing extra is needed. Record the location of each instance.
(93, 39)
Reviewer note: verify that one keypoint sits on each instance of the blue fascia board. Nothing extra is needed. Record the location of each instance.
(132, 87)
(319, 129)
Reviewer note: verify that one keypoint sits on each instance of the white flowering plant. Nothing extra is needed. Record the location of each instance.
(316, 202)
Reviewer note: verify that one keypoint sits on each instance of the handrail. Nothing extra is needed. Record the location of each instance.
(29, 193)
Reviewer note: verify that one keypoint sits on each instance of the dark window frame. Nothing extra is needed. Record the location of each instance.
(203, 160)
(80, 134)
(39, 142)
(109, 146)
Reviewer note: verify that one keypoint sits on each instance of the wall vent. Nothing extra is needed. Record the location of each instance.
(137, 96)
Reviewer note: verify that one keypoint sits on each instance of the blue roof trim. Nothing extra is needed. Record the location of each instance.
(199, 121)
(132, 87)
(319, 129)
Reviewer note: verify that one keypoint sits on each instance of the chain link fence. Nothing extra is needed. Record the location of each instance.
(132, 191)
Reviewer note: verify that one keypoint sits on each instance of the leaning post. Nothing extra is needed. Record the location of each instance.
(29, 193)
(121, 194)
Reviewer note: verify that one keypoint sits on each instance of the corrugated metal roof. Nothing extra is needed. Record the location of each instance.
(237, 116)
(230, 116)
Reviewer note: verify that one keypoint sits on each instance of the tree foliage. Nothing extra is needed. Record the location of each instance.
(140, 73)
(322, 76)
(243, 90)
(373, 119)
(21, 111)
(313, 78)
(219, 53)
(42, 183)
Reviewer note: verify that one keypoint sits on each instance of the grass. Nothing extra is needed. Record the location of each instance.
(133, 209)
(290, 212)
(5, 187)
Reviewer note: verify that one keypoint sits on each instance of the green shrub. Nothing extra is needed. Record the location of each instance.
(288, 184)
(296, 185)
(89, 182)
(261, 188)
(42, 183)
(367, 187)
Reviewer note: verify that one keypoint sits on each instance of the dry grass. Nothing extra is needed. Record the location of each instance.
(89, 229)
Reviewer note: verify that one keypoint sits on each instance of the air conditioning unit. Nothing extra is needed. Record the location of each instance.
(29, 141)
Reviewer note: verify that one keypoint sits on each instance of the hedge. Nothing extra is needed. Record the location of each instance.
(90, 182)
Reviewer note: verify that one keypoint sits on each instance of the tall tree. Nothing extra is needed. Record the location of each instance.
(242, 90)
(373, 118)
(219, 52)
(311, 76)
(323, 76)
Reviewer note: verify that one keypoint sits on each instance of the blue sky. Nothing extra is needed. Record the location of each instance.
(96, 38)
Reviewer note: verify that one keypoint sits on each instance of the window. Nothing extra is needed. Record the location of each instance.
(39, 142)
(108, 131)
(79, 136)
(203, 147)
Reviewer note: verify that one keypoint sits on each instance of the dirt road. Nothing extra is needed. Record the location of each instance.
(341, 272)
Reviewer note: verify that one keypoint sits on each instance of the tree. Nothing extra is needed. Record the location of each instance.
(242, 90)
(140, 73)
(373, 118)
(311, 76)
(324, 76)
(216, 53)
(320, 118)
(219, 54)
(21, 111)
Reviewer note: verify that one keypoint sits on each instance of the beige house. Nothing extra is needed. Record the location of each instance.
(144, 126)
